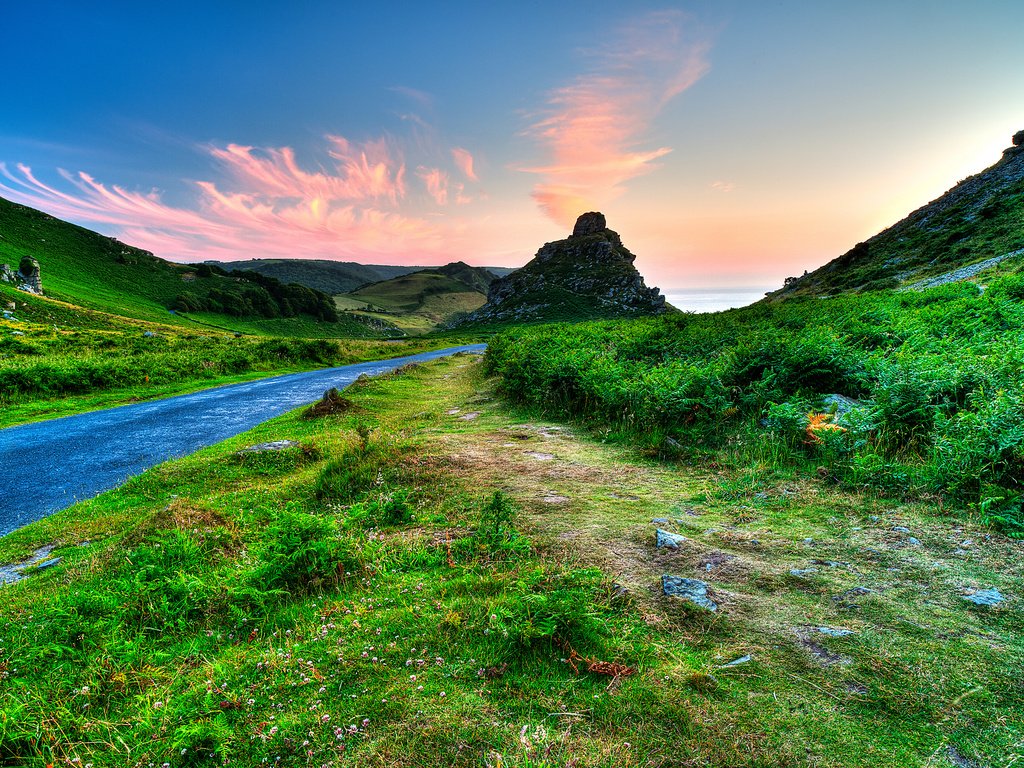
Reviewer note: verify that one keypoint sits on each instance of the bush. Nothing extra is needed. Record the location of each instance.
(301, 552)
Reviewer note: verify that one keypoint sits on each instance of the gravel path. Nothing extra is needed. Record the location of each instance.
(960, 274)
(50, 465)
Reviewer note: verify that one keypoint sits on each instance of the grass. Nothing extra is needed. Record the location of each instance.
(410, 614)
(417, 303)
(56, 359)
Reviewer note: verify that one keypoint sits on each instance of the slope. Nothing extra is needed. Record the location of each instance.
(423, 300)
(979, 220)
(87, 269)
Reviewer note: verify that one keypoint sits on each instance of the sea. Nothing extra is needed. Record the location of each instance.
(701, 300)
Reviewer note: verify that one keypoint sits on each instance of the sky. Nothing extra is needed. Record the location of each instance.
(729, 143)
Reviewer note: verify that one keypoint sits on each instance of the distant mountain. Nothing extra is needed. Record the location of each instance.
(589, 275)
(974, 226)
(90, 270)
(331, 277)
(420, 301)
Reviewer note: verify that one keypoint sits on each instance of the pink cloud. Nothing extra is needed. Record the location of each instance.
(464, 161)
(592, 128)
(267, 204)
(436, 181)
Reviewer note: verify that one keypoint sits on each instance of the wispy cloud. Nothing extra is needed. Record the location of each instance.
(723, 186)
(464, 161)
(593, 129)
(266, 203)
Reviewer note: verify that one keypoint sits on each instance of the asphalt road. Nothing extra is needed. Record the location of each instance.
(49, 465)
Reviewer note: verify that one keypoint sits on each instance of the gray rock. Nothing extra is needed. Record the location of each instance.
(986, 597)
(692, 590)
(590, 223)
(737, 662)
(669, 540)
(148, 334)
(913, 542)
(841, 405)
(835, 632)
(48, 563)
(29, 276)
(802, 571)
(900, 529)
(661, 521)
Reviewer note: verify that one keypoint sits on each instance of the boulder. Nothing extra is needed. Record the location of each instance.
(665, 539)
(29, 277)
(691, 590)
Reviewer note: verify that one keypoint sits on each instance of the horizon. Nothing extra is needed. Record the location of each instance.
(730, 145)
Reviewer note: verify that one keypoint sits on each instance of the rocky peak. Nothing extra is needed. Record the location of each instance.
(592, 223)
(588, 275)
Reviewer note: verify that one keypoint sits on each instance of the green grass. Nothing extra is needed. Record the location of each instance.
(86, 269)
(417, 303)
(225, 611)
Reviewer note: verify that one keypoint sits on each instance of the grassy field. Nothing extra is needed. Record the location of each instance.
(57, 359)
(430, 578)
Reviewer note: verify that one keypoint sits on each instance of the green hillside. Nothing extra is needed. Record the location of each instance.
(973, 227)
(422, 301)
(90, 270)
(331, 277)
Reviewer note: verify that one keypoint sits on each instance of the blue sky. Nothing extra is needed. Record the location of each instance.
(730, 143)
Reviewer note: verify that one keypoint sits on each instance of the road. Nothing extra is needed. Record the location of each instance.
(49, 465)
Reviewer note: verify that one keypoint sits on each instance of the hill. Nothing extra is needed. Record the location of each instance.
(90, 270)
(421, 301)
(587, 276)
(330, 277)
(973, 227)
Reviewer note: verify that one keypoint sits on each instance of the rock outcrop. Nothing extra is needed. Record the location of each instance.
(588, 275)
(28, 277)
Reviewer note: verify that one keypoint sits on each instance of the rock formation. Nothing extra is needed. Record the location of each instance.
(27, 278)
(30, 276)
(588, 275)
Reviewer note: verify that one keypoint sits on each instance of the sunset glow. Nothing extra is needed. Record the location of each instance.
(728, 143)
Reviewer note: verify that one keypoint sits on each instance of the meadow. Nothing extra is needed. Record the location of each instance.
(912, 395)
(426, 577)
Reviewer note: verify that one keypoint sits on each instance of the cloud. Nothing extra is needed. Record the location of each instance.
(265, 203)
(464, 161)
(437, 183)
(592, 129)
(723, 186)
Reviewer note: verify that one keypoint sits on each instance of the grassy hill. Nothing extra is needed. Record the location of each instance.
(972, 228)
(90, 270)
(422, 301)
(331, 277)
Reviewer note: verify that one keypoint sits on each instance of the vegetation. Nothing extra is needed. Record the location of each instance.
(330, 277)
(422, 301)
(938, 378)
(57, 359)
(88, 270)
(981, 218)
(443, 606)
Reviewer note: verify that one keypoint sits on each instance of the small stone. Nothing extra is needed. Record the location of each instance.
(692, 590)
(900, 529)
(987, 597)
(802, 571)
(48, 563)
(853, 592)
(470, 416)
(149, 334)
(835, 632)
(913, 542)
(874, 518)
(668, 540)
(661, 521)
(737, 662)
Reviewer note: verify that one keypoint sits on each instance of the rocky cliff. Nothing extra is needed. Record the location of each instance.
(588, 275)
